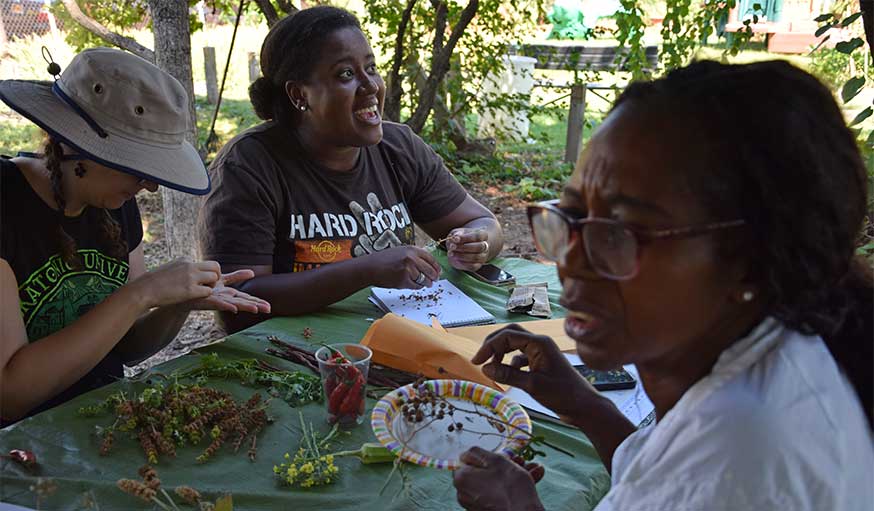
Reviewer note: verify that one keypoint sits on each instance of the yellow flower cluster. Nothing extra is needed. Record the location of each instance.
(306, 472)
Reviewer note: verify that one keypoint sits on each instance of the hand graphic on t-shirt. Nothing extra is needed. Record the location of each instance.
(370, 243)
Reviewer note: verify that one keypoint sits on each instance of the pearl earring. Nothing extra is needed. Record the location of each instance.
(302, 108)
(748, 296)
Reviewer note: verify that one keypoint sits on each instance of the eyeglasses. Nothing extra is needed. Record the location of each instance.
(613, 247)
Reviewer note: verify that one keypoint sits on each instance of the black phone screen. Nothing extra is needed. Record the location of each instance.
(492, 273)
(617, 379)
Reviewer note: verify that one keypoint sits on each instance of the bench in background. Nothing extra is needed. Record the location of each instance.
(578, 57)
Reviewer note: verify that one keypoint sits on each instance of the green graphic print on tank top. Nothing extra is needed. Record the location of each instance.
(56, 294)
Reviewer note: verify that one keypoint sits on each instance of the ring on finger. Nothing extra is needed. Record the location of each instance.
(420, 279)
(485, 247)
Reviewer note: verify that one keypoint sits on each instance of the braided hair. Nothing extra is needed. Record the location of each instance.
(780, 156)
(109, 228)
(289, 53)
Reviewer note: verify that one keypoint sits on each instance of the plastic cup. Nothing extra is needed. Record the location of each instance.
(344, 368)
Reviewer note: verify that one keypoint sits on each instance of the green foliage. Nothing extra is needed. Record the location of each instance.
(833, 67)
(479, 52)
(116, 15)
(296, 388)
(630, 25)
(120, 16)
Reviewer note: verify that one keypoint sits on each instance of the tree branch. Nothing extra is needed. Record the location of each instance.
(455, 130)
(867, 8)
(268, 11)
(439, 25)
(287, 7)
(439, 68)
(392, 108)
(107, 35)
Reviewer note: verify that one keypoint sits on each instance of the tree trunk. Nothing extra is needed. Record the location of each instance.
(287, 7)
(173, 54)
(867, 7)
(439, 68)
(392, 108)
(268, 11)
(111, 37)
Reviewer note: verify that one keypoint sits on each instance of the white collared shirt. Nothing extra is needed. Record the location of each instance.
(774, 426)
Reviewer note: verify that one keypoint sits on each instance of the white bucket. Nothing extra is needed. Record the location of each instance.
(517, 77)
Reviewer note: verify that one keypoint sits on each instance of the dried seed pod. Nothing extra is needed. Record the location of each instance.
(136, 488)
(188, 494)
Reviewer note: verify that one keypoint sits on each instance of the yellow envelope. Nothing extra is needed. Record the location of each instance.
(410, 346)
(553, 328)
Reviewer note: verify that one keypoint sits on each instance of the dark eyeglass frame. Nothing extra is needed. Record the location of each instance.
(642, 237)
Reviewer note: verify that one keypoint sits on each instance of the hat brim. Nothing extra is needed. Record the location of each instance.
(176, 166)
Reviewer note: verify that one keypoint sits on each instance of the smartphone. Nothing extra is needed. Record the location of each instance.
(493, 275)
(617, 379)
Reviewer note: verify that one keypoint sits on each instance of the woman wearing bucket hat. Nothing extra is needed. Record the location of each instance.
(76, 300)
(320, 201)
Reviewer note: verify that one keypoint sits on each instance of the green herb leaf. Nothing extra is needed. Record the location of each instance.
(824, 17)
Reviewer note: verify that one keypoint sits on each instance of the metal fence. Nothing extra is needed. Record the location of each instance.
(22, 18)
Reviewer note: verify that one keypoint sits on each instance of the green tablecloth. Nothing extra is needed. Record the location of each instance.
(67, 448)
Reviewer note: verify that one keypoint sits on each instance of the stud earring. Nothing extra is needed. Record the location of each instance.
(748, 296)
(302, 108)
(80, 169)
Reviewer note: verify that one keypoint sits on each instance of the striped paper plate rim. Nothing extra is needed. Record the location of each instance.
(387, 407)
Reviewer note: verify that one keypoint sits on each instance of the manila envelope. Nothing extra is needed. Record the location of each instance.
(410, 346)
(552, 328)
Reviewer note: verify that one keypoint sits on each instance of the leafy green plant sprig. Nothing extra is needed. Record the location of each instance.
(296, 388)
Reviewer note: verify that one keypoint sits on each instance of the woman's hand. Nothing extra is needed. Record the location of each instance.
(226, 298)
(467, 249)
(551, 379)
(488, 481)
(176, 282)
(403, 267)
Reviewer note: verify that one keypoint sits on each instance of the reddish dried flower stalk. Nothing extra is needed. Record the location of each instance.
(136, 488)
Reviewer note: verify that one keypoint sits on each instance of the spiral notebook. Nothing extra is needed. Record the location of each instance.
(443, 300)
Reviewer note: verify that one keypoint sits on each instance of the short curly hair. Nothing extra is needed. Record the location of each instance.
(784, 160)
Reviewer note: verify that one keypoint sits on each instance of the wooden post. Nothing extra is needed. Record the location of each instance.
(575, 118)
(211, 74)
(254, 72)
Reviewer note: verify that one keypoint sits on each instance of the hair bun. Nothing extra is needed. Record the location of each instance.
(261, 94)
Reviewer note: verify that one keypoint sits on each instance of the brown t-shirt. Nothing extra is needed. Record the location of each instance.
(269, 204)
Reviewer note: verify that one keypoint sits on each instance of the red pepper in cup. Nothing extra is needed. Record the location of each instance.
(335, 399)
(353, 403)
(344, 385)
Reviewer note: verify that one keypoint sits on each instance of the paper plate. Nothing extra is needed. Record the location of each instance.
(437, 442)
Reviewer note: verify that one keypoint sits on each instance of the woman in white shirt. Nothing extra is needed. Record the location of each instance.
(708, 236)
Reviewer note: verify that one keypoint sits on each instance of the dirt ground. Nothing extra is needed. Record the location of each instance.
(201, 328)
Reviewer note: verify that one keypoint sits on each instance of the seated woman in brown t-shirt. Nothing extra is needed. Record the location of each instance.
(325, 180)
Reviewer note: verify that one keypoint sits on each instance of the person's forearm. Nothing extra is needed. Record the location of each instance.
(44, 368)
(494, 231)
(292, 294)
(151, 332)
(604, 425)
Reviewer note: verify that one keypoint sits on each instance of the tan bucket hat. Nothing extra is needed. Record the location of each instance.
(119, 110)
